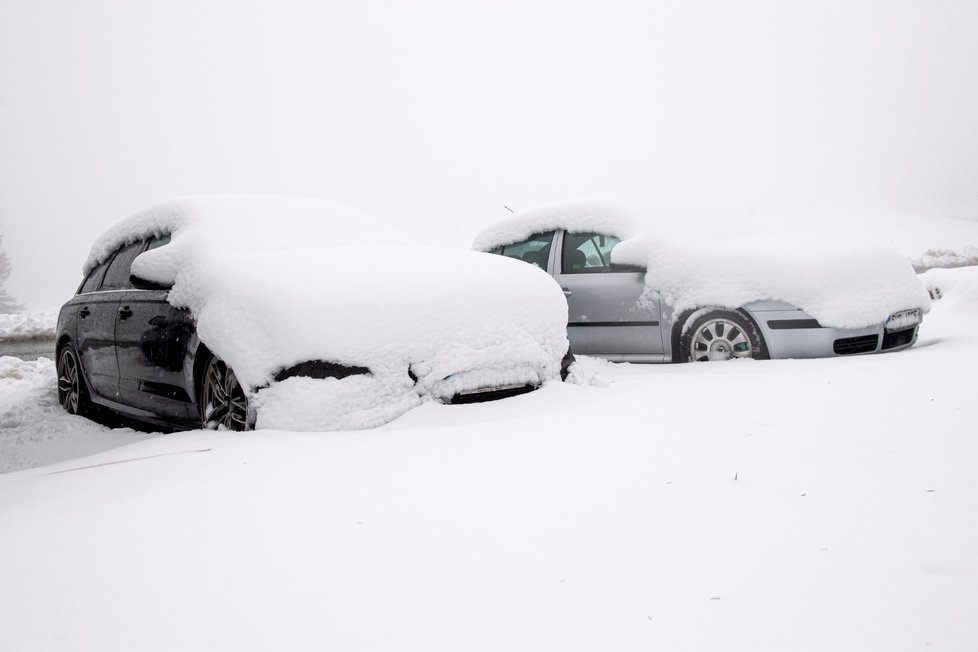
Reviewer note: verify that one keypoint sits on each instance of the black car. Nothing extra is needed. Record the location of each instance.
(279, 306)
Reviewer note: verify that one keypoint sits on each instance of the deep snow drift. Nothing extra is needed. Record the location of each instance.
(753, 505)
(35, 430)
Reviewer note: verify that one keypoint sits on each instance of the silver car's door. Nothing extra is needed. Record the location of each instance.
(605, 316)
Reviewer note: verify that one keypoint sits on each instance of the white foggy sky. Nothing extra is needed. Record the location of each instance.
(436, 113)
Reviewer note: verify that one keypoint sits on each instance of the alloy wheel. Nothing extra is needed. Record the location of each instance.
(69, 383)
(719, 339)
(223, 399)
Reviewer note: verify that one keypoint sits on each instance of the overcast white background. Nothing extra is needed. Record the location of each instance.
(435, 114)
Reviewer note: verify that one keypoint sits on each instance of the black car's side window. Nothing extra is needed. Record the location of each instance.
(534, 250)
(94, 278)
(117, 275)
(584, 253)
(158, 241)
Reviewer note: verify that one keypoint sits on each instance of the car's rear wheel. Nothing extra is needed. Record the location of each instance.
(72, 394)
(222, 399)
(721, 335)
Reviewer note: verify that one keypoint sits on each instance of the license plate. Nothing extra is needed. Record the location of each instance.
(902, 320)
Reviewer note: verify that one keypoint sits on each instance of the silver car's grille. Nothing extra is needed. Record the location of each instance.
(854, 345)
(894, 339)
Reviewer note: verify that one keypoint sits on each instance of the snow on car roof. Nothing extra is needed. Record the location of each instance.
(249, 222)
(608, 216)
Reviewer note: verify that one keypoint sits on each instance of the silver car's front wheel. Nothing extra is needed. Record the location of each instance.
(222, 399)
(721, 335)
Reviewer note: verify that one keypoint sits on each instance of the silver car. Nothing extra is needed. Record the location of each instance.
(606, 318)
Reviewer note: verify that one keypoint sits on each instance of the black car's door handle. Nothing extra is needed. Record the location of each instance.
(125, 312)
(84, 312)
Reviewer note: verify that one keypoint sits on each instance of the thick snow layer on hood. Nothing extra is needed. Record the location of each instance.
(841, 286)
(440, 311)
(271, 287)
(610, 217)
(957, 287)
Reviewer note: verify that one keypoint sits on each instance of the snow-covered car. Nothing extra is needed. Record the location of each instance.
(642, 298)
(296, 314)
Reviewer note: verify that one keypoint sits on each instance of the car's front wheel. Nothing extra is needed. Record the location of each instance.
(223, 402)
(721, 335)
(72, 394)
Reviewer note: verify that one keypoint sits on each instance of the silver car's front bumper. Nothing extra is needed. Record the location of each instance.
(795, 334)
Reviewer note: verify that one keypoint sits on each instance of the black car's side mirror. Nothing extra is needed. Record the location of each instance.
(143, 284)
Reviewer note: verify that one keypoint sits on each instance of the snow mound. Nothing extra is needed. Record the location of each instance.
(956, 288)
(943, 258)
(34, 429)
(273, 284)
(841, 286)
(34, 373)
(607, 216)
(29, 325)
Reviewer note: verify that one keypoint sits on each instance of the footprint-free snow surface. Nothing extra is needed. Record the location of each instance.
(776, 505)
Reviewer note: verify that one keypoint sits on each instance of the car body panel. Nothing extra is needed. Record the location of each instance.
(97, 313)
(605, 313)
(153, 355)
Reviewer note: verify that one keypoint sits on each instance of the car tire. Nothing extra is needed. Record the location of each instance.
(223, 403)
(721, 335)
(565, 364)
(72, 393)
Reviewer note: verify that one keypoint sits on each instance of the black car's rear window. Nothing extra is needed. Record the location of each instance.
(117, 276)
(94, 278)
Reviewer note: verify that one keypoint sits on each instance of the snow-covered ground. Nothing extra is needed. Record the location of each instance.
(776, 505)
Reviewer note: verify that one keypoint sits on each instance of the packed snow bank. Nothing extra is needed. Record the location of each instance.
(610, 217)
(956, 288)
(945, 258)
(34, 429)
(841, 286)
(271, 288)
(38, 324)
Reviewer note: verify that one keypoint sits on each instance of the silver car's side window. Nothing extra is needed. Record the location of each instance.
(585, 253)
(534, 250)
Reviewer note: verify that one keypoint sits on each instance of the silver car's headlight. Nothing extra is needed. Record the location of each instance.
(903, 320)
